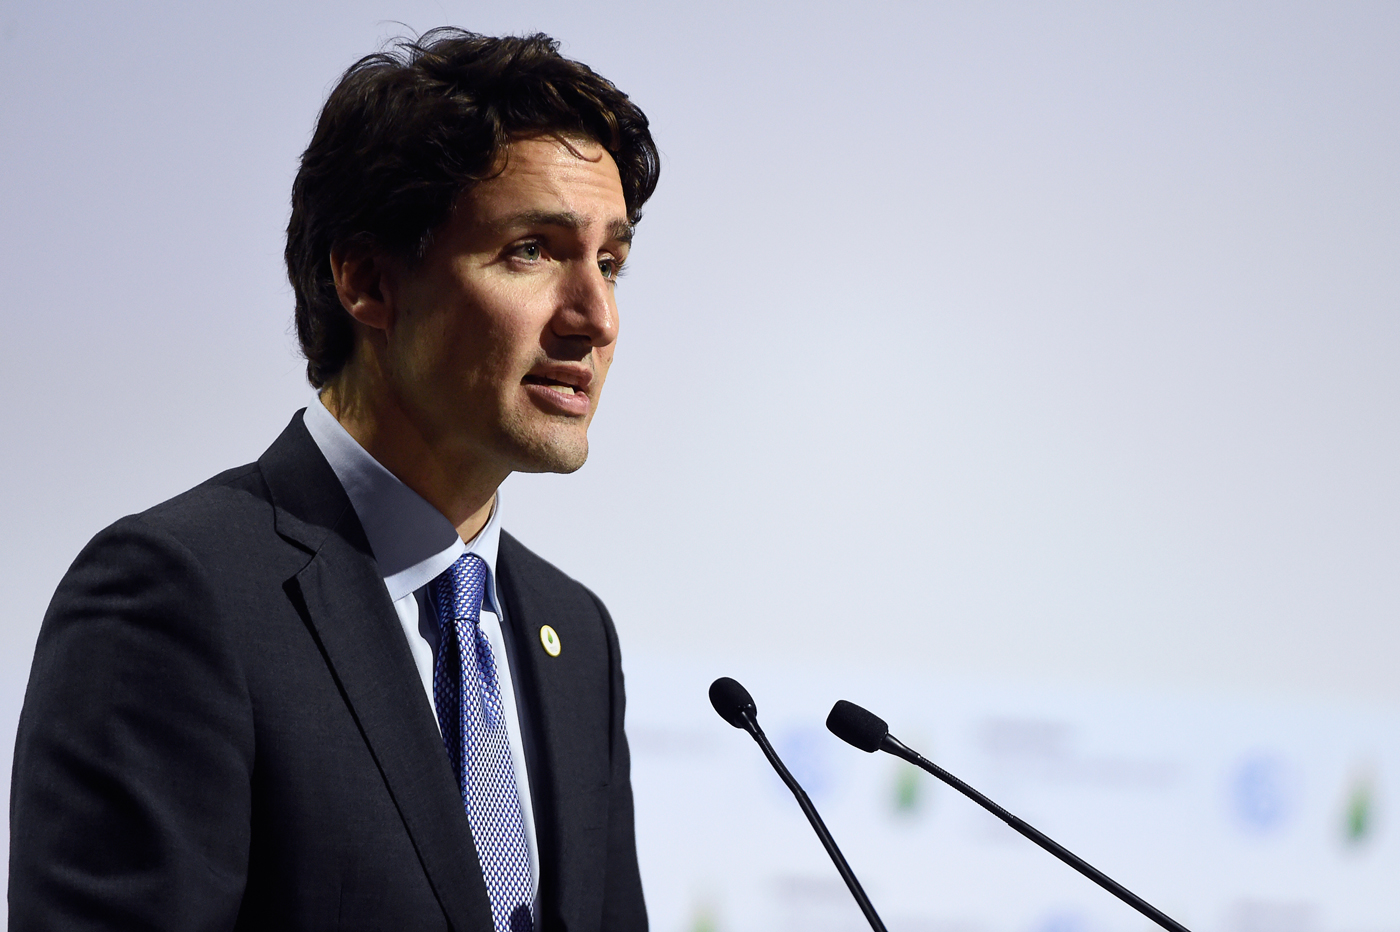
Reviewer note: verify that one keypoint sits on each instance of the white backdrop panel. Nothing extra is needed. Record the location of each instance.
(1045, 350)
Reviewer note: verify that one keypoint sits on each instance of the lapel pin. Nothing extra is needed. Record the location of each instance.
(550, 639)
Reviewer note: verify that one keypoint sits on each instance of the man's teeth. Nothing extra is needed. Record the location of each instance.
(550, 383)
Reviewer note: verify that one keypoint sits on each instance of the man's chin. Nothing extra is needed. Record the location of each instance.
(560, 466)
(557, 455)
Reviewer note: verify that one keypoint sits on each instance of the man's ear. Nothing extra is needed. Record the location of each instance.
(360, 273)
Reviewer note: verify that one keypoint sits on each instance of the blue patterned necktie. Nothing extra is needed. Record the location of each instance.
(473, 722)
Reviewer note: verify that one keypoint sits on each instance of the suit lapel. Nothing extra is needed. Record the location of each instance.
(569, 783)
(343, 599)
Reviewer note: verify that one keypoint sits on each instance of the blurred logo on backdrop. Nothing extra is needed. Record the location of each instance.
(1359, 808)
(1264, 792)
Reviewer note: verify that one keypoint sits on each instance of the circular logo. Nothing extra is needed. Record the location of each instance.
(1264, 791)
(550, 639)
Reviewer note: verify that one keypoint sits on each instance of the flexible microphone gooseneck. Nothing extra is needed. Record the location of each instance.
(867, 731)
(734, 704)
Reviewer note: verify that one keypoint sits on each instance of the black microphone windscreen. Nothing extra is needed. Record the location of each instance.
(731, 700)
(857, 727)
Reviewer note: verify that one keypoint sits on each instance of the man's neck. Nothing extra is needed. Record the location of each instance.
(463, 494)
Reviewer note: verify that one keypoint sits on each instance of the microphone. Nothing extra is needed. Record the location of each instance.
(867, 731)
(734, 704)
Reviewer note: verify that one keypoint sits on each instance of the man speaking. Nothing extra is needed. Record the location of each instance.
(326, 690)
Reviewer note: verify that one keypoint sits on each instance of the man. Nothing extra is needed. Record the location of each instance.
(325, 690)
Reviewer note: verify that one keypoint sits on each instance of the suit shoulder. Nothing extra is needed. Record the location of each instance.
(526, 561)
(230, 490)
(217, 514)
(525, 567)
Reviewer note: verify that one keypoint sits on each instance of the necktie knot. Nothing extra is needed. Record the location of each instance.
(458, 590)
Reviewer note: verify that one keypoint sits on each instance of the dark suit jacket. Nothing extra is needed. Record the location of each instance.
(224, 729)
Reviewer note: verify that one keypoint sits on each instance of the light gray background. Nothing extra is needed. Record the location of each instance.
(1042, 343)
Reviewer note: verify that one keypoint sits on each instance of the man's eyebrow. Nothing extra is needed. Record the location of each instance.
(622, 231)
(619, 229)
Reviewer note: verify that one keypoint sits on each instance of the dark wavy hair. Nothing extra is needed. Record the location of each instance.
(407, 130)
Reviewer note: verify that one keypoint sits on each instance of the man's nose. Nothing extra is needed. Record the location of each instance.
(588, 309)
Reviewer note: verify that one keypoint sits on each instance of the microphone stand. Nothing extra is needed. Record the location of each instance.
(893, 746)
(750, 724)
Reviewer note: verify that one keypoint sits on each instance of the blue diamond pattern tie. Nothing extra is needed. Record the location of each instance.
(473, 721)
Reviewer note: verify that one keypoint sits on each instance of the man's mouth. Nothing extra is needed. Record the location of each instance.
(564, 378)
(558, 386)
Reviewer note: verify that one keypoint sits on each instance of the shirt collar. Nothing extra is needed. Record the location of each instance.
(412, 541)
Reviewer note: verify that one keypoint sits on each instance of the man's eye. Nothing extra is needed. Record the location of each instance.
(529, 251)
(610, 268)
